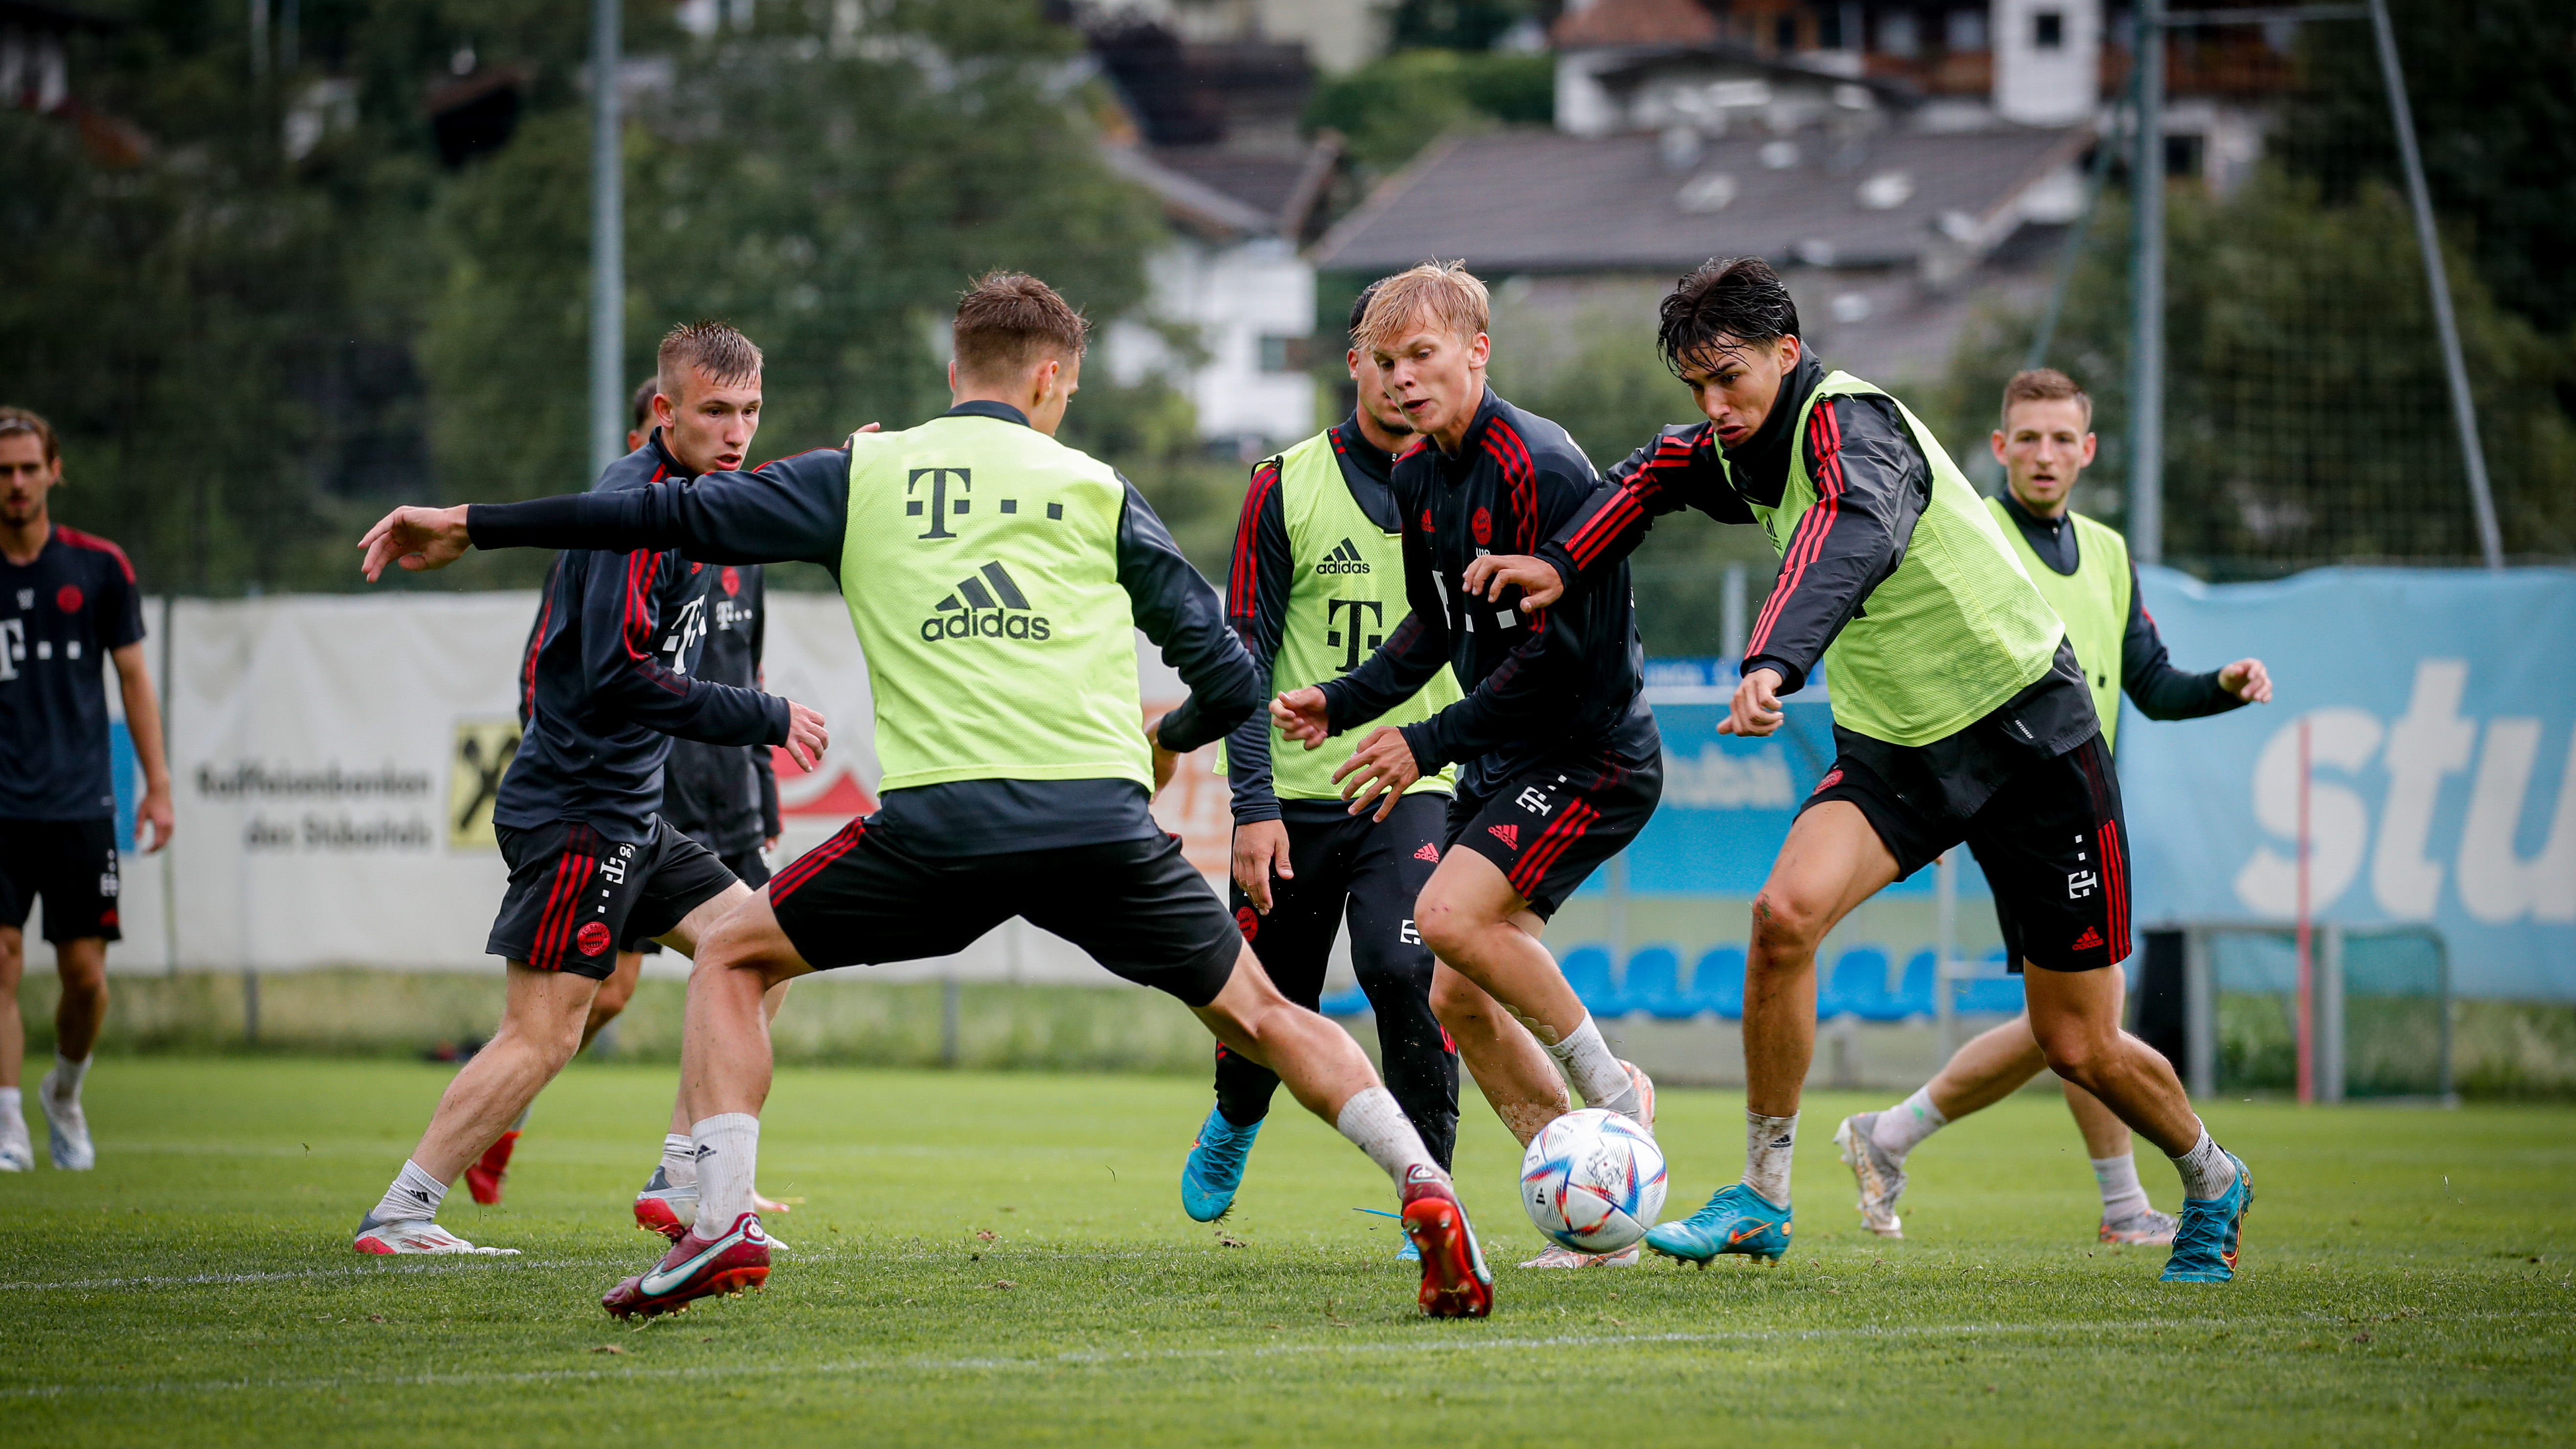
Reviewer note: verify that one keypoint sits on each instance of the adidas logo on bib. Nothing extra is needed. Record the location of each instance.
(987, 604)
(1344, 559)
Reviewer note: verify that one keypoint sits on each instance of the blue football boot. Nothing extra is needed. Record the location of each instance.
(2204, 1247)
(1214, 1168)
(1736, 1220)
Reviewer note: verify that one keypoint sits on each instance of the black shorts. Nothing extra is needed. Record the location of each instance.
(2050, 840)
(577, 898)
(1350, 868)
(1136, 906)
(747, 867)
(72, 864)
(1554, 823)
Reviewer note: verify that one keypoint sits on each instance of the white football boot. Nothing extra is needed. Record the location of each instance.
(418, 1235)
(1878, 1176)
(2145, 1228)
(69, 1128)
(17, 1151)
(1645, 1086)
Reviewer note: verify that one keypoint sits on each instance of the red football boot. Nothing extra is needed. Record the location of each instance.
(483, 1179)
(696, 1268)
(1455, 1283)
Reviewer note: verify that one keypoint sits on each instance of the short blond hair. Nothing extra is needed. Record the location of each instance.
(1445, 292)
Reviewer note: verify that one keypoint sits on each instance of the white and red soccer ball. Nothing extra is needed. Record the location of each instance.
(1593, 1181)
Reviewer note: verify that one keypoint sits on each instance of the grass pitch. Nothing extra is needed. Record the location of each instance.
(1003, 1256)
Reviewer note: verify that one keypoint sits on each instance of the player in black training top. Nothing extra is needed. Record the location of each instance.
(67, 603)
(1562, 762)
(1317, 545)
(607, 680)
(721, 796)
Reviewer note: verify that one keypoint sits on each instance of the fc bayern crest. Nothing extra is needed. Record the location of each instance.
(732, 580)
(593, 937)
(1482, 525)
(68, 599)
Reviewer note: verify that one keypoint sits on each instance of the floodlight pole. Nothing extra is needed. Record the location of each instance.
(2147, 295)
(2464, 409)
(607, 246)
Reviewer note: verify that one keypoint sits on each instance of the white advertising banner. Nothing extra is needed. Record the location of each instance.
(334, 760)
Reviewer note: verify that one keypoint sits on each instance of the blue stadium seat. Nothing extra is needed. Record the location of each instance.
(1353, 1002)
(1914, 994)
(1858, 988)
(1587, 970)
(1654, 984)
(1717, 982)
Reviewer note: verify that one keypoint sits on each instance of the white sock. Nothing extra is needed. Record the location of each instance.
(679, 1159)
(1378, 1127)
(13, 1107)
(1595, 1073)
(414, 1196)
(67, 1077)
(2206, 1172)
(1768, 1142)
(1902, 1127)
(728, 1147)
(2122, 1197)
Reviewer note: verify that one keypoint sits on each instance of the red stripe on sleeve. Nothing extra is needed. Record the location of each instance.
(1808, 544)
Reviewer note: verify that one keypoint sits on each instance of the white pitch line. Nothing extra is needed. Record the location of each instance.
(192, 1280)
(1081, 1358)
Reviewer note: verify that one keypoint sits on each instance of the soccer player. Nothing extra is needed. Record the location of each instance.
(1959, 715)
(725, 797)
(2082, 568)
(66, 599)
(996, 579)
(608, 679)
(1317, 584)
(1562, 762)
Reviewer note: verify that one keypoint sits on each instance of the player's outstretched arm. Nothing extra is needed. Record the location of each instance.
(2163, 692)
(1177, 610)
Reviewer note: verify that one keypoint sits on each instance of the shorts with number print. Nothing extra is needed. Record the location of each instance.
(1553, 824)
(577, 898)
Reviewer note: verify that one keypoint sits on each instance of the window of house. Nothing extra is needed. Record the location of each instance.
(1285, 354)
(1829, 28)
(1898, 34)
(1784, 33)
(1966, 29)
(2048, 30)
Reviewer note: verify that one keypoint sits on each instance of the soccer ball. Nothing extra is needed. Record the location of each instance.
(1593, 1181)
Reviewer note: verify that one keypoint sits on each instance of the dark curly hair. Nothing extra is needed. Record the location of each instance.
(1728, 301)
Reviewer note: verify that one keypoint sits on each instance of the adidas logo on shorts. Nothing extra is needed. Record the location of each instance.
(2091, 940)
(1509, 835)
(1428, 851)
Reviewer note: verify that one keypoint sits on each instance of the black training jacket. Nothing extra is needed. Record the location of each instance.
(609, 676)
(1566, 676)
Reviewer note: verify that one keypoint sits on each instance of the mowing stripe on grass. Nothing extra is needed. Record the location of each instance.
(1087, 1358)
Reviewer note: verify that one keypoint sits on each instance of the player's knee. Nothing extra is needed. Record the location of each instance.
(83, 971)
(1784, 922)
(2073, 1050)
(1445, 925)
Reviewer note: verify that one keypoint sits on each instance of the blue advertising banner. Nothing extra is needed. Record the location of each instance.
(2439, 709)
(1728, 802)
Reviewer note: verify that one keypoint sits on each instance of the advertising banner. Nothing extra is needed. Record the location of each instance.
(2436, 714)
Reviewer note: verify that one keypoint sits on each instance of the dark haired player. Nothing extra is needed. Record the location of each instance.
(2082, 568)
(1562, 762)
(996, 579)
(607, 681)
(67, 604)
(1318, 581)
(1960, 714)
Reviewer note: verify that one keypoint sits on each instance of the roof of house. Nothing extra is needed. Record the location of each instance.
(1635, 22)
(1528, 200)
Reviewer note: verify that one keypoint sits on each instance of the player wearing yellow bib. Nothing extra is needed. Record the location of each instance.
(2082, 568)
(1959, 716)
(996, 579)
(1317, 584)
